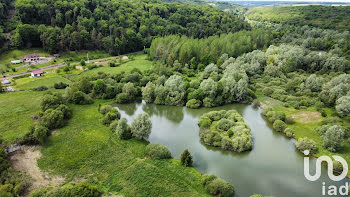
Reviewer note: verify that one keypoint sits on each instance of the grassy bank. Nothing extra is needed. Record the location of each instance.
(86, 149)
(306, 121)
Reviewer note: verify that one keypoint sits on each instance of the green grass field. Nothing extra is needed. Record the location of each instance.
(47, 80)
(139, 61)
(86, 149)
(16, 108)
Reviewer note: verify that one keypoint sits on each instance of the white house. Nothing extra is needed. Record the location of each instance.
(36, 73)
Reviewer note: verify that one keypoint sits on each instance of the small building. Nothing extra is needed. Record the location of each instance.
(31, 58)
(56, 55)
(36, 73)
(16, 61)
(5, 81)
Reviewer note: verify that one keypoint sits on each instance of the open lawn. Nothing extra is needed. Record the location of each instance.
(139, 61)
(85, 149)
(77, 56)
(16, 108)
(47, 80)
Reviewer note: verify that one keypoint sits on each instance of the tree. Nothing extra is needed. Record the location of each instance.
(99, 87)
(40, 133)
(210, 69)
(343, 105)
(80, 98)
(313, 83)
(141, 127)
(84, 85)
(130, 90)
(306, 144)
(175, 91)
(279, 126)
(209, 88)
(52, 119)
(123, 130)
(50, 101)
(186, 158)
(216, 186)
(148, 93)
(333, 139)
(157, 151)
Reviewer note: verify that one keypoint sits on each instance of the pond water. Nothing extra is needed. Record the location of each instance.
(273, 167)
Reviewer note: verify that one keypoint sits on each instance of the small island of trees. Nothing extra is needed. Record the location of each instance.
(225, 129)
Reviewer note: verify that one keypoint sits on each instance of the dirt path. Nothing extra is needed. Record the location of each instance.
(25, 160)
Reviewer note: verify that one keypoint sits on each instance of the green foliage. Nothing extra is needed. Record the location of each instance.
(141, 127)
(194, 104)
(60, 85)
(326, 17)
(279, 126)
(82, 189)
(80, 98)
(216, 186)
(225, 129)
(109, 117)
(157, 151)
(186, 158)
(343, 105)
(148, 93)
(123, 130)
(333, 138)
(52, 119)
(306, 144)
(49, 101)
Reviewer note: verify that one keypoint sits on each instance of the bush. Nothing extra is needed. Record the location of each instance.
(41, 88)
(110, 117)
(122, 98)
(186, 158)
(208, 102)
(141, 127)
(193, 104)
(157, 151)
(113, 125)
(289, 132)
(306, 144)
(67, 113)
(80, 98)
(225, 124)
(107, 108)
(279, 126)
(333, 139)
(52, 119)
(267, 91)
(60, 85)
(50, 101)
(217, 187)
(337, 167)
(37, 135)
(123, 130)
(71, 189)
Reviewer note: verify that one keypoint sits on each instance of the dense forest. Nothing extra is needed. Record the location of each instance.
(326, 17)
(115, 26)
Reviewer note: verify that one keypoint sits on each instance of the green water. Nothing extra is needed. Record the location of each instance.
(273, 167)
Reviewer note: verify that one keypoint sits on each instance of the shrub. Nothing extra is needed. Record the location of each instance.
(343, 105)
(208, 102)
(337, 167)
(80, 98)
(67, 113)
(333, 139)
(157, 151)
(41, 88)
(107, 108)
(52, 119)
(113, 125)
(123, 130)
(141, 127)
(306, 144)
(279, 126)
(289, 132)
(60, 85)
(267, 91)
(186, 158)
(122, 98)
(110, 117)
(193, 104)
(71, 189)
(50, 101)
(225, 124)
(217, 187)
(37, 135)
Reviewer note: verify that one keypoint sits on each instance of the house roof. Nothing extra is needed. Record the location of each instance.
(37, 71)
(5, 81)
(31, 56)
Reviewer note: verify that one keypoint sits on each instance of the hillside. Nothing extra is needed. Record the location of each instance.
(326, 17)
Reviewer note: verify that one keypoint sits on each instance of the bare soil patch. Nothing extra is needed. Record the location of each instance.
(25, 160)
(307, 116)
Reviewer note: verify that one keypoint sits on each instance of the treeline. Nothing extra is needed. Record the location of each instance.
(115, 26)
(193, 51)
(325, 17)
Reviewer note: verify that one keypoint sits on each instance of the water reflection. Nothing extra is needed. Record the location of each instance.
(273, 167)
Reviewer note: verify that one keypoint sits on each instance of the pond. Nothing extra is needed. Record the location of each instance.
(273, 167)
